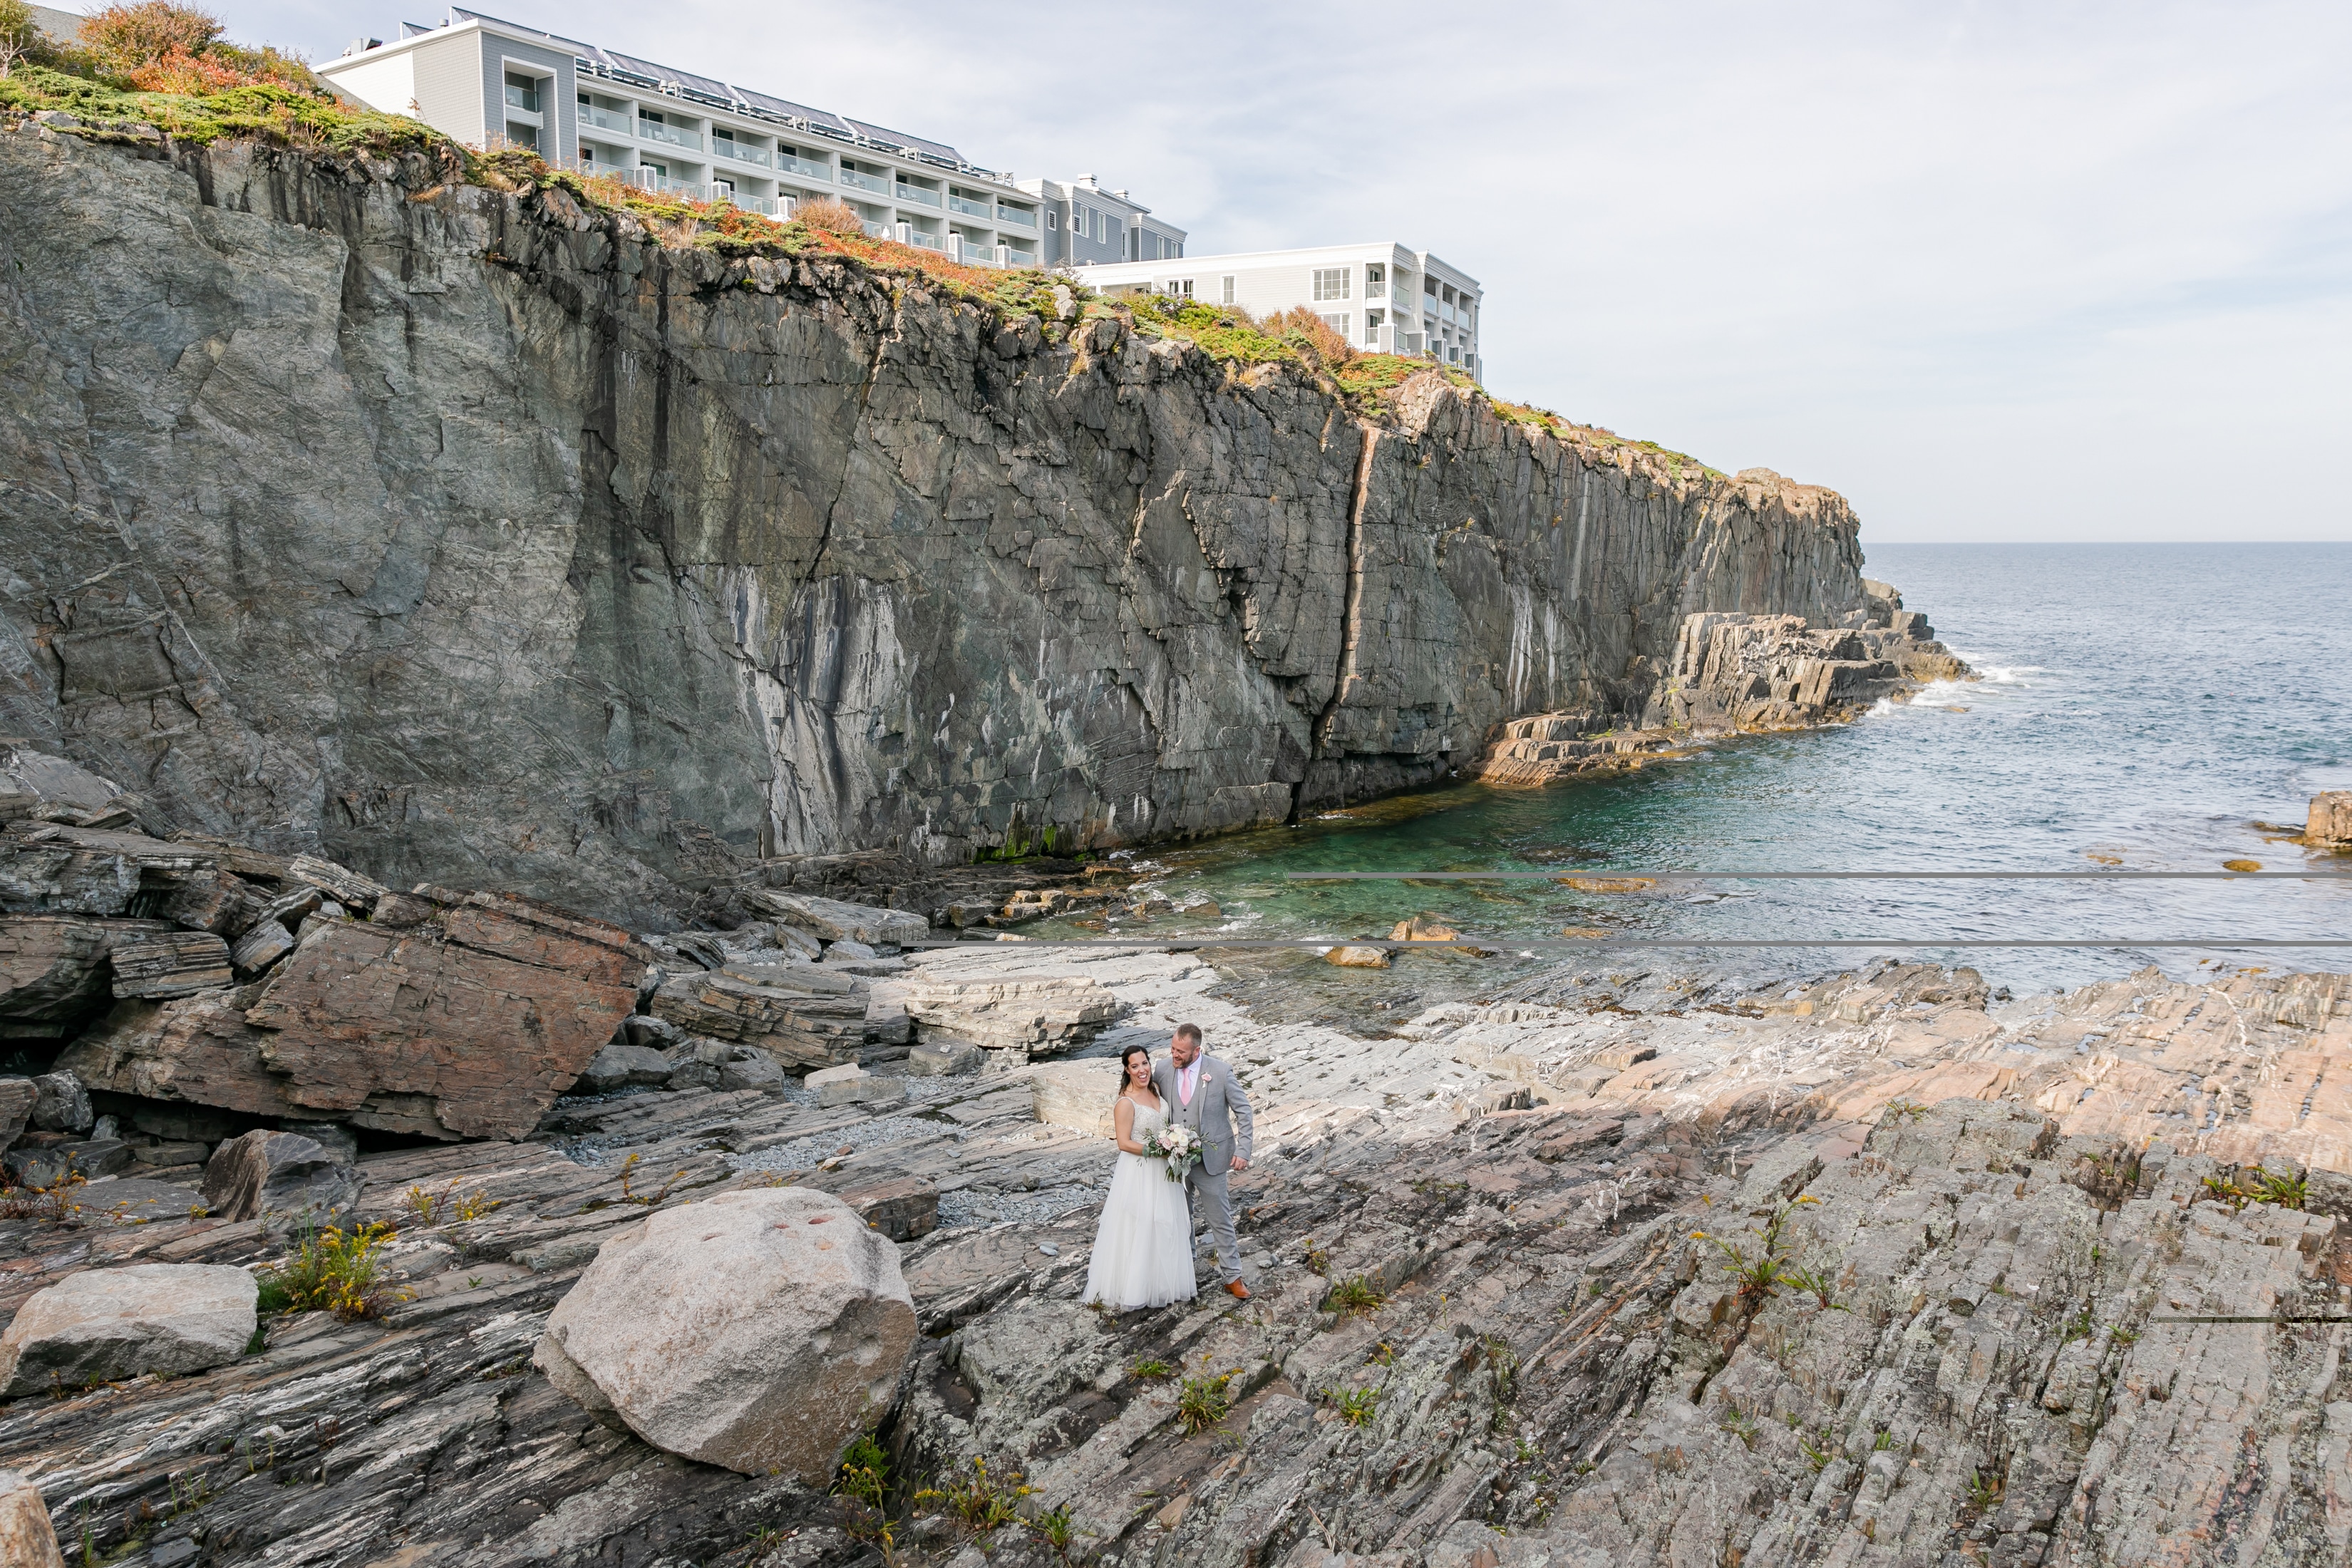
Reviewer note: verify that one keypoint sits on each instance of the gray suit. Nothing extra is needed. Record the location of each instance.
(1220, 1114)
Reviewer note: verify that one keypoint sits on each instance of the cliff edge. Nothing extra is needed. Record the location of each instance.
(485, 537)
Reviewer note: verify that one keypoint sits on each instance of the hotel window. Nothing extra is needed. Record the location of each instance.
(1052, 219)
(1330, 283)
(1373, 319)
(1374, 275)
(1337, 324)
(1225, 291)
(1180, 286)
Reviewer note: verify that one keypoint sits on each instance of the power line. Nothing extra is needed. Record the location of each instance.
(1582, 944)
(1816, 876)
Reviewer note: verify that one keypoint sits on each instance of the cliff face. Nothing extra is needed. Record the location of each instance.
(472, 537)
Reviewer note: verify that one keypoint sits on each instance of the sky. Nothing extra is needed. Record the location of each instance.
(2020, 271)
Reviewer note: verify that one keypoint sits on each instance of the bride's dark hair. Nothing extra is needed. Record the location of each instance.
(1143, 1051)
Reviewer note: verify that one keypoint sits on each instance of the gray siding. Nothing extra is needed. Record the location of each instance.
(449, 86)
(560, 137)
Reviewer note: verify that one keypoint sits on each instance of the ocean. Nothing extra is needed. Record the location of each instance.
(2148, 707)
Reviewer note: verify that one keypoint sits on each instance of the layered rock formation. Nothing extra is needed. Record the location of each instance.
(1480, 1335)
(476, 539)
(1737, 673)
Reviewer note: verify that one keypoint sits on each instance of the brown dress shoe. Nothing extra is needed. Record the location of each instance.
(1239, 1291)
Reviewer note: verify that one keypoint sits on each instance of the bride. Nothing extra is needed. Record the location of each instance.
(1143, 1245)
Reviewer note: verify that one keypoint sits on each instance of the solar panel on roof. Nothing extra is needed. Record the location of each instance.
(900, 138)
(671, 73)
(774, 105)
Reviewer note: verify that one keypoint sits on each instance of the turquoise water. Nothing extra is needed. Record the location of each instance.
(2154, 704)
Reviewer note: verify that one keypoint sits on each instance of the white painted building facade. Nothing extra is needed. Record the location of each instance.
(490, 83)
(1383, 298)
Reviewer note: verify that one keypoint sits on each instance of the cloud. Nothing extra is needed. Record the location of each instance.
(1994, 270)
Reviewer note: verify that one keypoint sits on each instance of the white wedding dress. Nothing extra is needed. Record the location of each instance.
(1143, 1244)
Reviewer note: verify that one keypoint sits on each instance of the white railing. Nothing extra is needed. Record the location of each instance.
(1016, 218)
(1018, 257)
(874, 182)
(919, 195)
(655, 130)
(969, 208)
(603, 119)
(726, 148)
(522, 98)
(787, 163)
(875, 230)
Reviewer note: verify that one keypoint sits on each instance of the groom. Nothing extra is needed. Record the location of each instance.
(1206, 1095)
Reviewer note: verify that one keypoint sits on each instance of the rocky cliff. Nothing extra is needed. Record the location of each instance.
(478, 536)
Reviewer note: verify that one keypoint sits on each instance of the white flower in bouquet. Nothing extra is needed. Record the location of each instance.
(1177, 1146)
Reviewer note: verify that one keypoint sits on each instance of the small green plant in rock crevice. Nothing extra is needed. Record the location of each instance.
(629, 1192)
(982, 1503)
(1203, 1402)
(335, 1270)
(1357, 1406)
(864, 1478)
(1354, 1297)
(1761, 1265)
(1740, 1425)
(1817, 1283)
(1054, 1526)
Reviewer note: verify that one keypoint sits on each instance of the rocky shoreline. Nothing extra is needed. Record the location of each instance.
(1738, 674)
(1507, 1308)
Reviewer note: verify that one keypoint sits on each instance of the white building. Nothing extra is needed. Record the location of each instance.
(1382, 297)
(489, 83)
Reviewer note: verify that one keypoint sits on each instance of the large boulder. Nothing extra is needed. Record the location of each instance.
(467, 1026)
(108, 1324)
(761, 1330)
(280, 1174)
(2329, 825)
(27, 1540)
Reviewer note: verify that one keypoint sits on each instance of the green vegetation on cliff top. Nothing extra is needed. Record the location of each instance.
(155, 67)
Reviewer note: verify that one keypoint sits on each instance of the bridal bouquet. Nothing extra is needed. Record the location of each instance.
(1177, 1146)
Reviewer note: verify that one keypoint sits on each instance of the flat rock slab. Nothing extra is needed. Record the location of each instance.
(107, 1325)
(168, 964)
(833, 920)
(1030, 1015)
(800, 1024)
(761, 1330)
